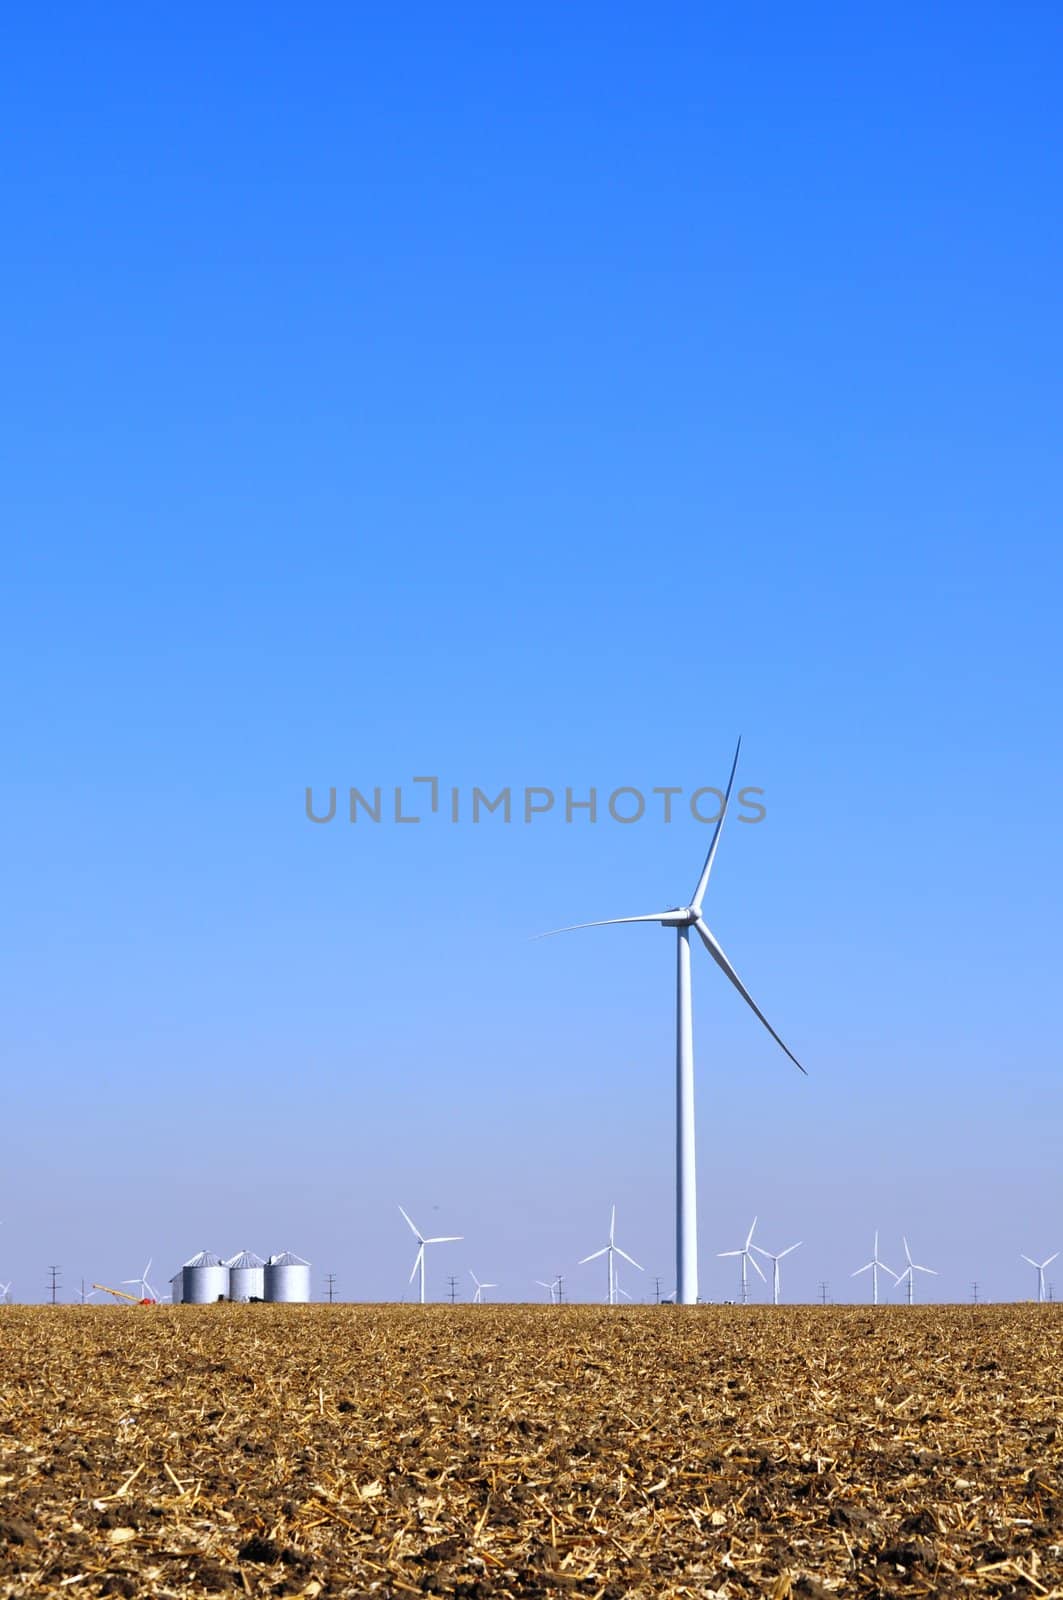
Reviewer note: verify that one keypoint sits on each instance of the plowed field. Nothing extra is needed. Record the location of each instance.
(493, 1451)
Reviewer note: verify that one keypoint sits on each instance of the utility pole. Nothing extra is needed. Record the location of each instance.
(824, 1292)
(559, 1280)
(452, 1293)
(330, 1281)
(55, 1271)
(657, 1291)
(974, 1292)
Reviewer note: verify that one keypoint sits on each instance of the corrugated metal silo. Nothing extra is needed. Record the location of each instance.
(204, 1279)
(246, 1276)
(287, 1279)
(177, 1287)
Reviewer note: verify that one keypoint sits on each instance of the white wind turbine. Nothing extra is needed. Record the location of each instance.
(551, 1289)
(418, 1261)
(478, 1297)
(910, 1270)
(775, 1259)
(147, 1292)
(875, 1266)
(5, 1294)
(1040, 1266)
(746, 1254)
(682, 919)
(610, 1250)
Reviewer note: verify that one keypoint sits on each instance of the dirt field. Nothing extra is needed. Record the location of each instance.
(494, 1451)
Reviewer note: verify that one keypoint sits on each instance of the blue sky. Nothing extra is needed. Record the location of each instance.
(530, 400)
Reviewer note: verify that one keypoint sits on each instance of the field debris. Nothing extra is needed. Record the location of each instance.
(711, 1452)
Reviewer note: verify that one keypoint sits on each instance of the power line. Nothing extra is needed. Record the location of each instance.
(452, 1293)
(824, 1292)
(55, 1271)
(330, 1282)
(974, 1292)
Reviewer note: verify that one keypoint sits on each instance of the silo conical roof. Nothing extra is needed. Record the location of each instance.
(285, 1258)
(245, 1258)
(205, 1258)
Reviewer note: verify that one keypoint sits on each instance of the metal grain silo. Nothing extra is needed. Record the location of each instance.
(246, 1276)
(287, 1279)
(177, 1287)
(204, 1279)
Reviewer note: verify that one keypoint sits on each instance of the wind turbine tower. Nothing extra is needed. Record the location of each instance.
(775, 1259)
(683, 919)
(875, 1266)
(422, 1242)
(910, 1270)
(610, 1250)
(1039, 1267)
(747, 1258)
(478, 1297)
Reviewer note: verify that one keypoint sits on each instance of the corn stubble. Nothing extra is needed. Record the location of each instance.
(494, 1451)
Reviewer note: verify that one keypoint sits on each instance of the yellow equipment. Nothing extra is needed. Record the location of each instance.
(120, 1294)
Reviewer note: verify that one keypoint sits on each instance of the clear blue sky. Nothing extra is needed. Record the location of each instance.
(530, 399)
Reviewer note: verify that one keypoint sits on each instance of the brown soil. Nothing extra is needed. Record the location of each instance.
(484, 1452)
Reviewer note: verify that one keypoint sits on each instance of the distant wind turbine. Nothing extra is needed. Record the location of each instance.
(551, 1289)
(418, 1261)
(147, 1292)
(5, 1294)
(478, 1297)
(875, 1266)
(746, 1255)
(682, 919)
(775, 1259)
(1039, 1267)
(610, 1250)
(910, 1270)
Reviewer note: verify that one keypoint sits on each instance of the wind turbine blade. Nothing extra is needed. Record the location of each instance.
(729, 1252)
(607, 922)
(755, 1264)
(446, 1238)
(475, 1279)
(868, 1267)
(416, 1263)
(749, 1235)
(759, 1248)
(612, 1225)
(1033, 1263)
(789, 1247)
(1050, 1260)
(584, 1259)
(626, 1257)
(415, 1230)
(709, 941)
(932, 1270)
(702, 885)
